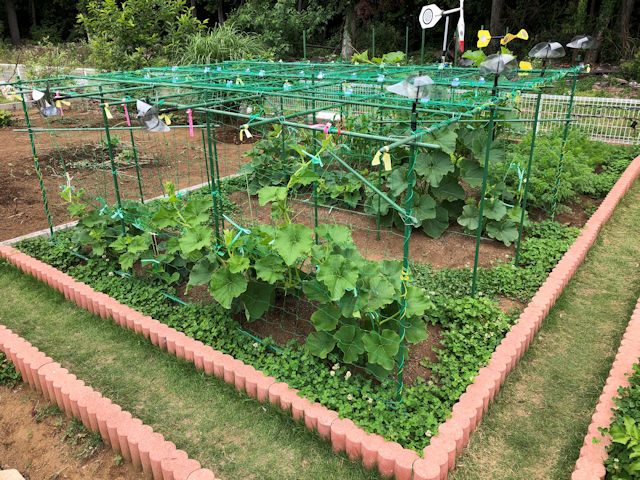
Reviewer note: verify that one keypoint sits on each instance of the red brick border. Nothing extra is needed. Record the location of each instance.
(137, 443)
(590, 464)
(390, 458)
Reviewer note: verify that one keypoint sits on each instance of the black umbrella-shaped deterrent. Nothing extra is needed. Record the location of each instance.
(149, 116)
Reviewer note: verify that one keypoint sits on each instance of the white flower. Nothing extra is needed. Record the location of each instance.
(428, 433)
(336, 366)
(333, 374)
(255, 344)
(347, 375)
(111, 274)
(104, 256)
(369, 400)
(349, 397)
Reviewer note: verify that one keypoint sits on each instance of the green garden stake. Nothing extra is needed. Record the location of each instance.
(206, 162)
(485, 174)
(422, 49)
(563, 149)
(114, 172)
(36, 163)
(216, 181)
(315, 154)
(406, 45)
(304, 44)
(534, 131)
(213, 185)
(135, 159)
(373, 41)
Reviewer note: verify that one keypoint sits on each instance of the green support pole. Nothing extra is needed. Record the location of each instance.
(315, 153)
(304, 44)
(373, 41)
(405, 261)
(406, 45)
(36, 163)
(526, 181)
(213, 184)
(216, 178)
(206, 162)
(422, 49)
(135, 159)
(114, 172)
(485, 174)
(455, 48)
(565, 133)
(379, 188)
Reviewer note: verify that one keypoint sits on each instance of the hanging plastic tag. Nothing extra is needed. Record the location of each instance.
(126, 112)
(107, 112)
(190, 122)
(261, 73)
(244, 130)
(286, 86)
(380, 77)
(166, 118)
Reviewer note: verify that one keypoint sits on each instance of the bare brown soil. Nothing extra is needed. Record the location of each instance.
(37, 449)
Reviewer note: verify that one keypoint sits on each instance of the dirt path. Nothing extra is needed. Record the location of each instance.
(43, 445)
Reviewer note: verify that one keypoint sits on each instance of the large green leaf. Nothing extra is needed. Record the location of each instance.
(449, 189)
(126, 260)
(139, 243)
(225, 286)
(436, 226)
(505, 231)
(238, 263)
(316, 291)
(334, 233)
(326, 318)
(434, 166)
(320, 343)
(445, 137)
(201, 272)
(196, 211)
(392, 270)
(381, 349)
(381, 293)
(271, 194)
(350, 342)
(293, 240)
(479, 149)
(494, 209)
(424, 207)
(417, 302)
(415, 330)
(195, 238)
(398, 181)
(471, 172)
(270, 268)
(469, 217)
(338, 274)
(165, 217)
(257, 299)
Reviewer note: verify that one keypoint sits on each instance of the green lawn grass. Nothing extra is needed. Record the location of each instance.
(537, 425)
(235, 436)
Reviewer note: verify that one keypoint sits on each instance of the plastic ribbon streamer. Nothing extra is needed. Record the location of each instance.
(190, 122)
(386, 158)
(59, 104)
(166, 118)
(314, 159)
(126, 113)
(244, 130)
(107, 112)
(239, 81)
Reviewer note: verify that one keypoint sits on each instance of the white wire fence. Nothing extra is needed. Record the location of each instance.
(612, 120)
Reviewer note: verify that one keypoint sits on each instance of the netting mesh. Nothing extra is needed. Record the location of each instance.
(259, 154)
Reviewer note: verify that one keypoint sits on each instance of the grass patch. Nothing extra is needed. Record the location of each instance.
(235, 436)
(536, 427)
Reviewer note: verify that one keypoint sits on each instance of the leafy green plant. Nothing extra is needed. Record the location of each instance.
(623, 462)
(220, 43)
(6, 120)
(389, 58)
(8, 374)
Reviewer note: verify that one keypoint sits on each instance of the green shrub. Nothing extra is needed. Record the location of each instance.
(631, 69)
(5, 119)
(8, 374)
(223, 42)
(136, 33)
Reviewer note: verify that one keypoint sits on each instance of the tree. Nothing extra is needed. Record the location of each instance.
(348, 32)
(496, 26)
(12, 20)
(625, 19)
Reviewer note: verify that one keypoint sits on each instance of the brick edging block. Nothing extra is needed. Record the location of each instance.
(590, 463)
(391, 459)
(127, 436)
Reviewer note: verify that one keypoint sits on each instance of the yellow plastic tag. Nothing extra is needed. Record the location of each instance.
(386, 160)
(107, 112)
(166, 118)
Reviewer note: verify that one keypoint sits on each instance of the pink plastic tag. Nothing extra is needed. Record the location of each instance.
(126, 114)
(190, 122)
